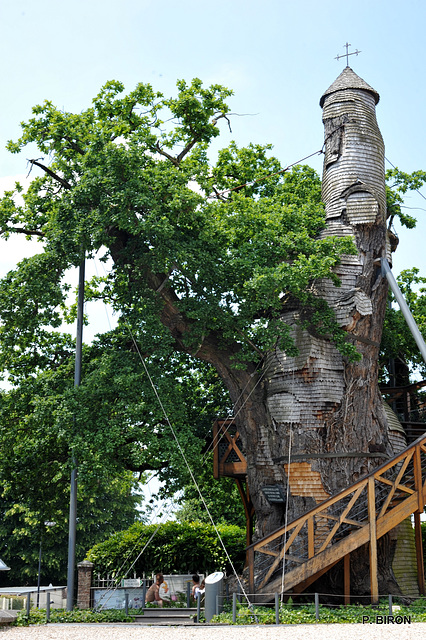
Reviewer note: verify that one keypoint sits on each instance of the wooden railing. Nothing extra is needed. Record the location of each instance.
(293, 557)
(228, 454)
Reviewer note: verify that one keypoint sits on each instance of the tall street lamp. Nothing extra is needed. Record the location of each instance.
(73, 485)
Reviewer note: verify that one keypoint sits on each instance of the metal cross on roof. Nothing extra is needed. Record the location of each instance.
(347, 54)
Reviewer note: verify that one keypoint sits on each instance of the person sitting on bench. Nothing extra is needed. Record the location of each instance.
(153, 593)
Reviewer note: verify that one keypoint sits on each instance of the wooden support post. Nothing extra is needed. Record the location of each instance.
(216, 450)
(418, 478)
(347, 577)
(417, 524)
(251, 571)
(373, 541)
(248, 510)
(419, 553)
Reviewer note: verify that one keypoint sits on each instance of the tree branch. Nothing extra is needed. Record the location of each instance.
(74, 145)
(176, 161)
(186, 150)
(223, 115)
(166, 155)
(145, 466)
(50, 173)
(27, 232)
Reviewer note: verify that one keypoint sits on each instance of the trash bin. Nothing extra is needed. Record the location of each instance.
(214, 588)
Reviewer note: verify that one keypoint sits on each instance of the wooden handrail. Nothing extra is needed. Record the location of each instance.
(338, 496)
(384, 503)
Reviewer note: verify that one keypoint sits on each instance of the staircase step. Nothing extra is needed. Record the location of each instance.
(166, 616)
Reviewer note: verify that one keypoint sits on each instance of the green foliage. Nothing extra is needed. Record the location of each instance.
(172, 547)
(38, 616)
(221, 497)
(120, 180)
(288, 614)
(305, 613)
(198, 282)
(399, 183)
(42, 418)
(102, 510)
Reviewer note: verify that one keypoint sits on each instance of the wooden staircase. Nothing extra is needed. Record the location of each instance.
(310, 545)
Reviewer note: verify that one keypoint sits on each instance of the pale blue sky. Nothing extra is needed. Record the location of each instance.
(277, 56)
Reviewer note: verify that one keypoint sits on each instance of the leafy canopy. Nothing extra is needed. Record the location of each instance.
(130, 179)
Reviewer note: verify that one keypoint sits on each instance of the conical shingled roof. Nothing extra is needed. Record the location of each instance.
(348, 79)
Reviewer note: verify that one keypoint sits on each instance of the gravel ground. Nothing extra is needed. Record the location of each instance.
(414, 631)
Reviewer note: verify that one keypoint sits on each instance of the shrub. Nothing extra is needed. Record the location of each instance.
(174, 547)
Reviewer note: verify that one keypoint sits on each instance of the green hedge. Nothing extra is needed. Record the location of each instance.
(176, 547)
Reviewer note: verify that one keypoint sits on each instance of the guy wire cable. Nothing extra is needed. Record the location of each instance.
(187, 464)
(275, 173)
(290, 433)
(269, 175)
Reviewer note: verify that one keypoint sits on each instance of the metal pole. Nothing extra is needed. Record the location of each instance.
(198, 606)
(234, 607)
(317, 607)
(47, 606)
(277, 609)
(79, 336)
(73, 484)
(390, 604)
(188, 594)
(39, 571)
(386, 271)
(28, 603)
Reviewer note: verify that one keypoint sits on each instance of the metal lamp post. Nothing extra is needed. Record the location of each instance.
(73, 488)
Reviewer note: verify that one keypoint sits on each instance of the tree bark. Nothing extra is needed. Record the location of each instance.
(318, 402)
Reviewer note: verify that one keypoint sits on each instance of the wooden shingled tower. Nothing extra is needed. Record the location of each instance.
(328, 425)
